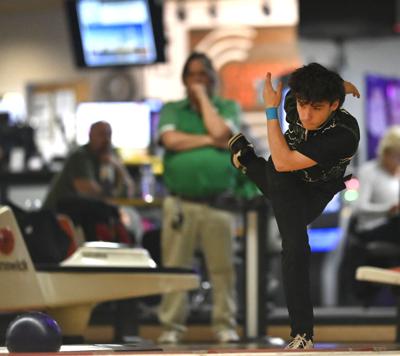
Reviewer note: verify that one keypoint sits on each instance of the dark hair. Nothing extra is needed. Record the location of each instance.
(315, 83)
(199, 56)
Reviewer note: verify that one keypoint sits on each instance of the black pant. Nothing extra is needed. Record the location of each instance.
(387, 239)
(296, 204)
(88, 212)
(388, 232)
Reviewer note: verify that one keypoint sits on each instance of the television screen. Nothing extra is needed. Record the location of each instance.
(107, 33)
(130, 123)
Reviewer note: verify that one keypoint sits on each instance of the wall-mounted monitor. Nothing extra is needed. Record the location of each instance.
(130, 123)
(116, 33)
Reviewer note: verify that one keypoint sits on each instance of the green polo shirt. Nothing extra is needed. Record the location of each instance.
(204, 171)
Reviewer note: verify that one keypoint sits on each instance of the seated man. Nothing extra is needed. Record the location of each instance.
(93, 175)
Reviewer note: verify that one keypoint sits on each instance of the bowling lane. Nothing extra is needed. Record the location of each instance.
(196, 350)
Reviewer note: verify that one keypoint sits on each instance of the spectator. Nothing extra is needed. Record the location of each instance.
(374, 228)
(195, 133)
(91, 177)
(377, 208)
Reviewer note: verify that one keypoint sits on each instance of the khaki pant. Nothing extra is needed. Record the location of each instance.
(211, 230)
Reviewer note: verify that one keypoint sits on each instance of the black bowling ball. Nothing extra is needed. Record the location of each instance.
(33, 332)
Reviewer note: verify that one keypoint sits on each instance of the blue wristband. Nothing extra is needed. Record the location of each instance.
(271, 113)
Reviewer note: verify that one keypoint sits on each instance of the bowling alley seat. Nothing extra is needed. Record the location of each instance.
(384, 276)
(357, 253)
(74, 233)
(69, 291)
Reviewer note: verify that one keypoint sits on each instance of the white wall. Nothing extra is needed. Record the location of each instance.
(35, 48)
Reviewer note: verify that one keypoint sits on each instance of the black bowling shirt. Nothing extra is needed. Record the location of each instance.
(332, 145)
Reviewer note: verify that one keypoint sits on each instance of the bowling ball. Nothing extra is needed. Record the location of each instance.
(33, 332)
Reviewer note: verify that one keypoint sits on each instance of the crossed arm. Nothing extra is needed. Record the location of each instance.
(218, 131)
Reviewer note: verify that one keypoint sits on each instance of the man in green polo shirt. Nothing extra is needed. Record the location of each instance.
(198, 173)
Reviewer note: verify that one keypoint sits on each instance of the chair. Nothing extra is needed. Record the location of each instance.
(69, 293)
(358, 252)
(383, 276)
(68, 226)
